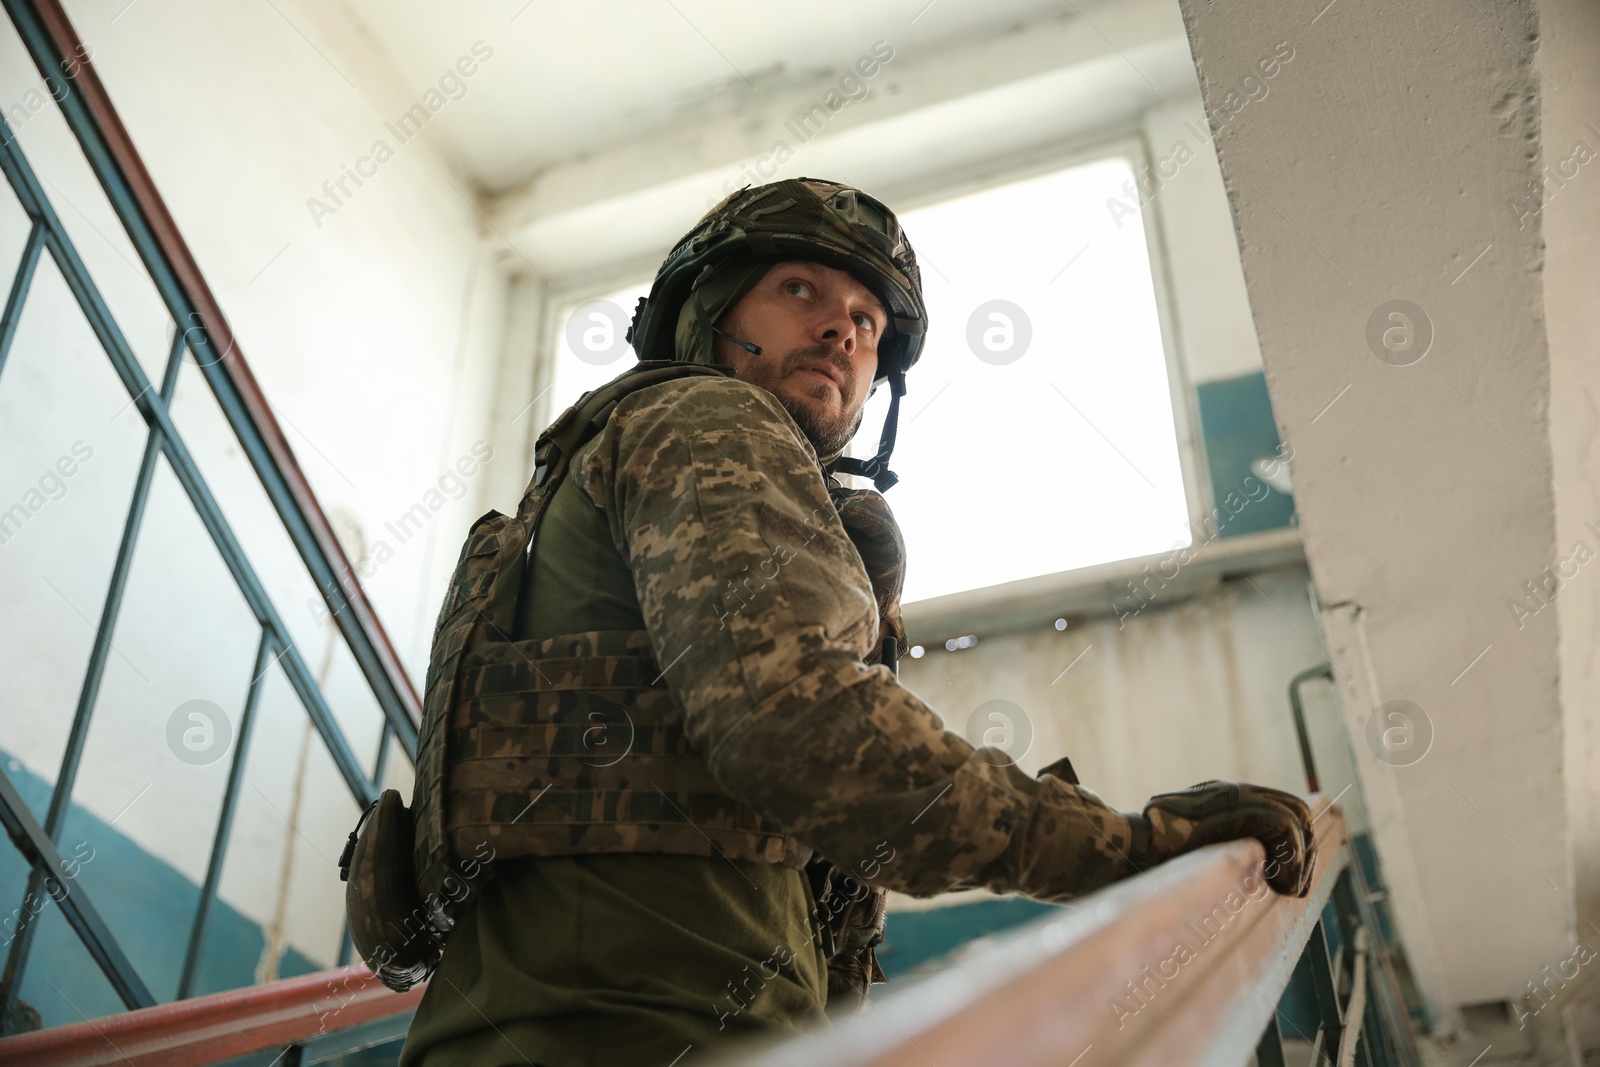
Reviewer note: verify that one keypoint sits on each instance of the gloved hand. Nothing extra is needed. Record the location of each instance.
(1214, 811)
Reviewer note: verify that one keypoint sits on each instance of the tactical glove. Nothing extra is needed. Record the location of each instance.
(1204, 814)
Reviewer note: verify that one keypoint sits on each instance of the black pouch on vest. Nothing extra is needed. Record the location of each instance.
(388, 922)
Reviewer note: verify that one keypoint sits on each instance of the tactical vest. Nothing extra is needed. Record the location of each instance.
(568, 745)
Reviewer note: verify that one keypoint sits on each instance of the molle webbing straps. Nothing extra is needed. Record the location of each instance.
(506, 765)
(561, 439)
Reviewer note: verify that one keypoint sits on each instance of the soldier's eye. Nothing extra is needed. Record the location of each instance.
(795, 287)
(865, 321)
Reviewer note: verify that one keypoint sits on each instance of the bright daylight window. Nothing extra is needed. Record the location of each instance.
(591, 343)
(1037, 434)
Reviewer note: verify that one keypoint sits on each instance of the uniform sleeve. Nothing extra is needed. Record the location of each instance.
(760, 612)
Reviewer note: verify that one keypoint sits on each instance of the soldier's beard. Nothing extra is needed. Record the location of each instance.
(828, 434)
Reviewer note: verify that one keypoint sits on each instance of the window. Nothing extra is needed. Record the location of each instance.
(1037, 434)
(591, 343)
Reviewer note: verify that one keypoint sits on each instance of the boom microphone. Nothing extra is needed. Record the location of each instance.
(754, 350)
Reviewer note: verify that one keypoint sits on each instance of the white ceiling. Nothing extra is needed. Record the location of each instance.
(573, 79)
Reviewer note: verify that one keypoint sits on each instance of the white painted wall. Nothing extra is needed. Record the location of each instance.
(376, 337)
(965, 109)
(1184, 692)
(1216, 336)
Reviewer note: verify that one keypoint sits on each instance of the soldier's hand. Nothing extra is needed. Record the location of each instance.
(1214, 811)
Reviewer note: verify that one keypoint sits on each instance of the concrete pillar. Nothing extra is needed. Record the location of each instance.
(1566, 199)
(1398, 302)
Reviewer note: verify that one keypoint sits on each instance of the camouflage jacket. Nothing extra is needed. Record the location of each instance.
(759, 608)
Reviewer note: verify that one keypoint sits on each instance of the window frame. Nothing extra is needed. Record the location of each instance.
(1131, 142)
(566, 292)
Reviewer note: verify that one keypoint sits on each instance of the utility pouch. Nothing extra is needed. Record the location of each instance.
(388, 922)
(851, 916)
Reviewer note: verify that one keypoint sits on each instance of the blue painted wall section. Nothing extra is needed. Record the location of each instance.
(919, 941)
(1237, 428)
(148, 905)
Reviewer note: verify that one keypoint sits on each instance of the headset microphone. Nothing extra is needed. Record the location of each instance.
(754, 350)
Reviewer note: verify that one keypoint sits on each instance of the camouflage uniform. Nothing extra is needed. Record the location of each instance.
(760, 607)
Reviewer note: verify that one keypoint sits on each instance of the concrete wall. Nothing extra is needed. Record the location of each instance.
(374, 332)
(1180, 694)
(1423, 474)
(1566, 205)
(1216, 337)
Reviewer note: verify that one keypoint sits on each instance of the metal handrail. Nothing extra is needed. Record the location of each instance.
(1303, 735)
(1391, 997)
(1350, 1041)
(39, 850)
(1105, 977)
(337, 1007)
(199, 328)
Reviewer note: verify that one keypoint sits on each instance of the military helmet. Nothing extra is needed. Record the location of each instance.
(809, 219)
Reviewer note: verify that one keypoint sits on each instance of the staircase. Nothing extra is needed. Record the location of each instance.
(1194, 963)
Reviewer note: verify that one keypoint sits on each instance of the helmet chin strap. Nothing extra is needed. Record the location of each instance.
(877, 468)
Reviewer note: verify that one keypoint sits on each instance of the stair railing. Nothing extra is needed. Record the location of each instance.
(1194, 962)
(293, 1022)
(199, 328)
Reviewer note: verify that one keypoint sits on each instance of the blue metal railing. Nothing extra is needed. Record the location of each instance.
(1341, 991)
(200, 329)
(1363, 897)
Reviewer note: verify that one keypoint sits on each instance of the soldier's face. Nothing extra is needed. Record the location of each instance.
(818, 329)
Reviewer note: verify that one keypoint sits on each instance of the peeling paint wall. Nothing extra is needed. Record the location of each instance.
(1178, 695)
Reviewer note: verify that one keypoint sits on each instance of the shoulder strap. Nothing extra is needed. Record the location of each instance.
(553, 454)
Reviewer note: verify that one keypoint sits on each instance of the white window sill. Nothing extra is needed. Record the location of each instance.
(1097, 592)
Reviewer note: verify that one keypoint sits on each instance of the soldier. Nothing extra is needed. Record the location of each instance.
(672, 729)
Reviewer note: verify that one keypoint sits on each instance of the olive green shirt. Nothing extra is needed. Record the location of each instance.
(614, 960)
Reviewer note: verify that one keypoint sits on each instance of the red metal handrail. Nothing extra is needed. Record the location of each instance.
(203, 1030)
